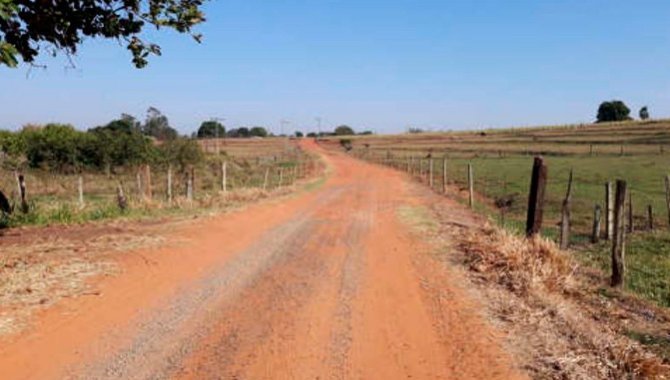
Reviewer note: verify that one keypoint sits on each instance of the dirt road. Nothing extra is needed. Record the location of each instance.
(326, 284)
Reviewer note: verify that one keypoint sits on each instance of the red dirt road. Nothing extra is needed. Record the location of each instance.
(325, 284)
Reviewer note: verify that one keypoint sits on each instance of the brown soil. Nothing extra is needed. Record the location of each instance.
(326, 284)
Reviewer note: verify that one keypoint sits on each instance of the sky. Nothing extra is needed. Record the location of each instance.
(373, 65)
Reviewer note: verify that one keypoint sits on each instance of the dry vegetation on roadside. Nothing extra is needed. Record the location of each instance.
(557, 321)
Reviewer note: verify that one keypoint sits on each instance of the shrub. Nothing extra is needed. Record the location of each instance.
(614, 110)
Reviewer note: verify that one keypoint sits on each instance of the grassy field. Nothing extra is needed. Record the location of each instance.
(638, 152)
(54, 198)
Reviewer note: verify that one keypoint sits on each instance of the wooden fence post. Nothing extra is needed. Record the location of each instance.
(595, 235)
(667, 195)
(430, 180)
(565, 216)
(121, 200)
(281, 177)
(80, 190)
(471, 187)
(630, 226)
(189, 184)
(265, 179)
(538, 184)
(224, 176)
(169, 184)
(444, 175)
(609, 211)
(618, 242)
(650, 217)
(147, 182)
(22, 194)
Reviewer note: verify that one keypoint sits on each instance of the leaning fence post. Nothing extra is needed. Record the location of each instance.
(595, 235)
(650, 217)
(565, 216)
(618, 242)
(609, 211)
(471, 187)
(538, 184)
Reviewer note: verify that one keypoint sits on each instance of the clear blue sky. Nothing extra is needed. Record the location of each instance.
(380, 65)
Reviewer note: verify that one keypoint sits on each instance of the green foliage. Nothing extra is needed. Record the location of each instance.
(26, 27)
(258, 132)
(644, 113)
(55, 147)
(158, 126)
(614, 110)
(344, 130)
(211, 129)
(118, 143)
(181, 151)
(239, 132)
(366, 133)
(311, 134)
(299, 134)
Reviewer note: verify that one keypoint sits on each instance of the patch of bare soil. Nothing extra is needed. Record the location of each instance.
(559, 321)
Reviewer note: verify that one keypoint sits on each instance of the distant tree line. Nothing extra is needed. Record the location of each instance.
(121, 142)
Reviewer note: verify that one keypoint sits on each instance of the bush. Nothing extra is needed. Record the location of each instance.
(344, 130)
(211, 129)
(644, 113)
(182, 152)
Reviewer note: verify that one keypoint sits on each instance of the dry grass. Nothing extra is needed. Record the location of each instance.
(551, 313)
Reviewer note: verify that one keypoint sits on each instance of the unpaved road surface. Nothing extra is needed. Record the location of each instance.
(327, 284)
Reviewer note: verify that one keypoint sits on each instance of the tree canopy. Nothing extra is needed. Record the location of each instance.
(614, 110)
(344, 130)
(258, 132)
(158, 126)
(29, 27)
(644, 113)
(211, 129)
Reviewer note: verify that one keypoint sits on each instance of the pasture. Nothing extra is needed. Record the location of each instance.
(502, 159)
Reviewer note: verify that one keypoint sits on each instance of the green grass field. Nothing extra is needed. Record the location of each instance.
(502, 162)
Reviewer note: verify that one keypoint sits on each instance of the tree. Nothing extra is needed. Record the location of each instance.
(614, 110)
(157, 126)
(243, 132)
(182, 152)
(55, 147)
(29, 26)
(644, 113)
(299, 134)
(258, 132)
(311, 134)
(118, 143)
(210, 129)
(344, 130)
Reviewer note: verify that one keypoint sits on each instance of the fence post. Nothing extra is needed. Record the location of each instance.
(630, 226)
(80, 188)
(444, 175)
(281, 176)
(667, 195)
(22, 194)
(147, 182)
(618, 243)
(471, 187)
(609, 211)
(595, 235)
(565, 216)
(650, 217)
(265, 179)
(169, 184)
(121, 200)
(430, 180)
(224, 176)
(189, 184)
(538, 184)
